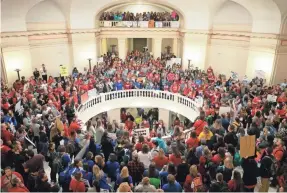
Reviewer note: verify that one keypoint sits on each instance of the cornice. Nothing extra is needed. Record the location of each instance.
(181, 32)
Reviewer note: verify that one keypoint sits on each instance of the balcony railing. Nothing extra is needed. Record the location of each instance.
(140, 24)
(139, 98)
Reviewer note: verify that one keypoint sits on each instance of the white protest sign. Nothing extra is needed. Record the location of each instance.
(101, 59)
(175, 60)
(223, 110)
(271, 98)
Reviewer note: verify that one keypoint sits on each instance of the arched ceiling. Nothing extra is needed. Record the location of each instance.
(197, 14)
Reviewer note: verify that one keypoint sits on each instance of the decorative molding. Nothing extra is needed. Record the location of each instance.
(179, 32)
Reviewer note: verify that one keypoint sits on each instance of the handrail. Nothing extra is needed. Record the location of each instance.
(132, 94)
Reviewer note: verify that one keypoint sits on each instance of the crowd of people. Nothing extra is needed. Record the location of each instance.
(42, 110)
(145, 16)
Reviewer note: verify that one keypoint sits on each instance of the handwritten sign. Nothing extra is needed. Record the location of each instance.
(223, 110)
(271, 98)
(176, 60)
(59, 124)
(247, 146)
(64, 70)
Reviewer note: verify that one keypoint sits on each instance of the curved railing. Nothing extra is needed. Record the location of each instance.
(138, 98)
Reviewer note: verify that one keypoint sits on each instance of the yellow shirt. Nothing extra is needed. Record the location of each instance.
(206, 136)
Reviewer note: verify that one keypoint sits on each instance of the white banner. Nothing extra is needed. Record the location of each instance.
(174, 24)
(158, 24)
(101, 59)
(223, 110)
(175, 60)
(169, 63)
(271, 98)
(144, 132)
(143, 24)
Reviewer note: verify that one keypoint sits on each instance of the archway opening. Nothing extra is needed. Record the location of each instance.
(140, 7)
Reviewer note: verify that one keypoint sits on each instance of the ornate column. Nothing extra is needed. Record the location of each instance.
(104, 48)
(122, 47)
(156, 47)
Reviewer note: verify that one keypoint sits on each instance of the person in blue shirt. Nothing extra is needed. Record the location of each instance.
(137, 85)
(118, 85)
(87, 175)
(89, 161)
(161, 142)
(100, 179)
(9, 118)
(172, 185)
(112, 167)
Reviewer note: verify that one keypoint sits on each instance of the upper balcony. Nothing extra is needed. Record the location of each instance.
(139, 24)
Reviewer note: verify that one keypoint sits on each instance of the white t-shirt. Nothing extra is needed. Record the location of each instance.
(145, 158)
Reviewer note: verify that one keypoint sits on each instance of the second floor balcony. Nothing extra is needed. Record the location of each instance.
(140, 24)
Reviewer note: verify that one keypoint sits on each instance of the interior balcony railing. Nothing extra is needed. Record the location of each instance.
(140, 24)
(139, 98)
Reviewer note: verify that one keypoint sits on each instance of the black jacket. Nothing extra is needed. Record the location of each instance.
(231, 138)
(254, 131)
(250, 171)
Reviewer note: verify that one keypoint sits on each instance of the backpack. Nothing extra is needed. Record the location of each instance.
(273, 167)
(57, 165)
(66, 175)
(196, 184)
(223, 187)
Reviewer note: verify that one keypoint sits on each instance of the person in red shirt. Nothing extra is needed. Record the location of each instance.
(186, 90)
(170, 76)
(193, 141)
(74, 126)
(175, 157)
(140, 143)
(278, 150)
(157, 77)
(256, 101)
(8, 177)
(174, 88)
(160, 160)
(145, 124)
(17, 186)
(129, 125)
(199, 124)
(6, 135)
(77, 184)
(127, 85)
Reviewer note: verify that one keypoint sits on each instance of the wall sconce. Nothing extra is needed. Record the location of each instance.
(90, 65)
(18, 73)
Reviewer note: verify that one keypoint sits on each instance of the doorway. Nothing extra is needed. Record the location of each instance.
(139, 44)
